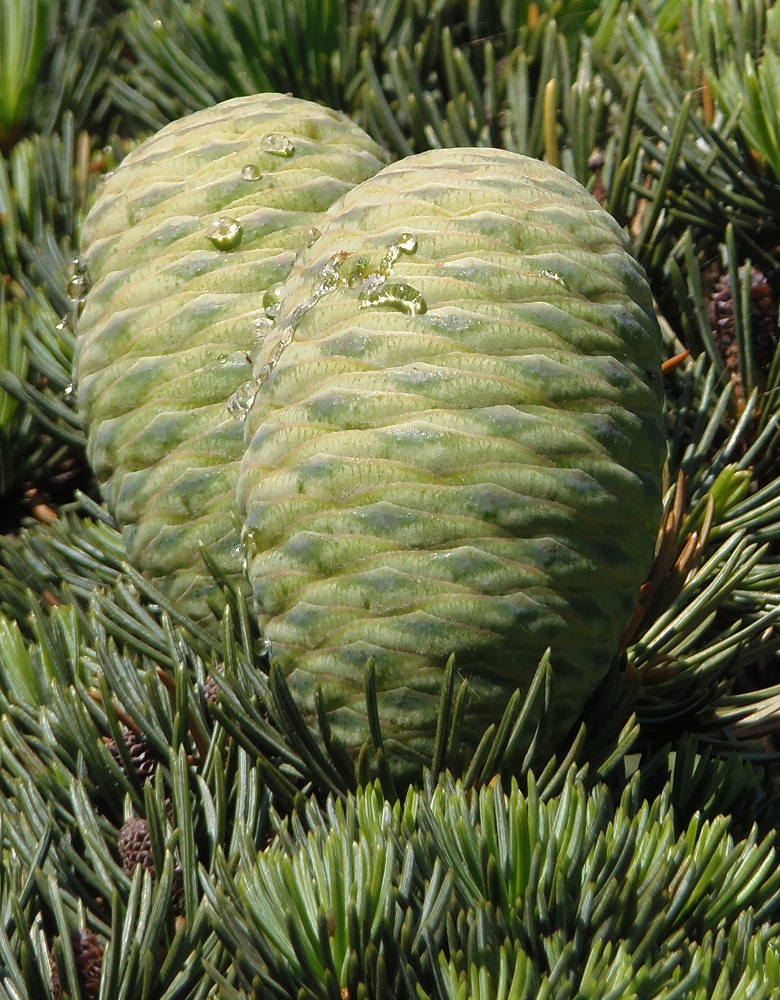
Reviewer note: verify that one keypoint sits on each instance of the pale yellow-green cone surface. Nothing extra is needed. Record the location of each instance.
(457, 446)
(182, 245)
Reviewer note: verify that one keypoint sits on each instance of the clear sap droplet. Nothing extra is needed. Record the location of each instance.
(79, 265)
(157, 24)
(386, 264)
(277, 144)
(241, 401)
(272, 300)
(399, 296)
(251, 172)
(554, 276)
(265, 648)
(330, 275)
(309, 237)
(406, 243)
(236, 359)
(69, 391)
(357, 272)
(250, 541)
(78, 286)
(225, 233)
(260, 327)
(264, 362)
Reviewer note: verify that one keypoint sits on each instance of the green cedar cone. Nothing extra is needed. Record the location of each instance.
(164, 337)
(456, 446)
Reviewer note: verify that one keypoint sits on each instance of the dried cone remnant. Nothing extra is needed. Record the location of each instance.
(183, 247)
(457, 447)
(763, 331)
(135, 845)
(88, 956)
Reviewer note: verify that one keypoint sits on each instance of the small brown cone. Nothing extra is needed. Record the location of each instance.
(88, 955)
(762, 326)
(135, 845)
(139, 750)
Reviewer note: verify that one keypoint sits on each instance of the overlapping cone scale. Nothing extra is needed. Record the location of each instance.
(164, 339)
(455, 446)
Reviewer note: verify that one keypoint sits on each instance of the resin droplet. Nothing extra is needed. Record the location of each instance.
(406, 243)
(279, 145)
(225, 233)
(554, 276)
(401, 297)
(330, 275)
(250, 542)
(237, 359)
(251, 172)
(386, 264)
(260, 328)
(241, 401)
(309, 237)
(78, 286)
(356, 272)
(79, 283)
(272, 300)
